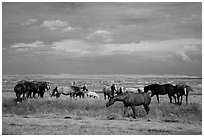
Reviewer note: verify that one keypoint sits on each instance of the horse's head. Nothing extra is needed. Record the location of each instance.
(146, 89)
(47, 86)
(84, 88)
(110, 102)
(187, 89)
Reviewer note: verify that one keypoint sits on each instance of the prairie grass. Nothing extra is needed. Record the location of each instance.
(96, 108)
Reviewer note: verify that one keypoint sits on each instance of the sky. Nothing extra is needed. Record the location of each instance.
(102, 38)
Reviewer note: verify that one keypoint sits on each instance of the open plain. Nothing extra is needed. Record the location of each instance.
(89, 116)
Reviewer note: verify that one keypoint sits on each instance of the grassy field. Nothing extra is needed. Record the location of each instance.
(90, 116)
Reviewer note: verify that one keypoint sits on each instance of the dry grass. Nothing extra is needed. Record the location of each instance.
(96, 108)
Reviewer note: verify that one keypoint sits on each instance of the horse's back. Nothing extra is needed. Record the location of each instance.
(64, 89)
(106, 89)
(138, 98)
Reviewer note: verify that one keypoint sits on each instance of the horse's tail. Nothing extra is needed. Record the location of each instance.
(66, 93)
(147, 98)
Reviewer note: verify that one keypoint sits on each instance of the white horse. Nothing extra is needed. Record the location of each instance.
(92, 94)
(135, 90)
(67, 90)
(130, 90)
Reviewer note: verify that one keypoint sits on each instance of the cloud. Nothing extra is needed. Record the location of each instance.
(155, 50)
(54, 24)
(64, 26)
(28, 45)
(100, 33)
(187, 50)
(69, 29)
(74, 48)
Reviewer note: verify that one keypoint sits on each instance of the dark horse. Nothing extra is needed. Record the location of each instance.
(42, 85)
(79, 91)
(182, 89)
(56, 93)
(20, 91)
(157, 90)
(132, 99)
(25, 88)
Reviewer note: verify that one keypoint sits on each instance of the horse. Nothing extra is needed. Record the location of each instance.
(92, 94)
(55, 93)
(109, 91)
(73, 91)
(134, 90)
(30, 87)
(79, 91)
(24, 89)
(120, 90)
(20, 91)
(132, 99)
(42, 85)
(182, 89)
(157, 90)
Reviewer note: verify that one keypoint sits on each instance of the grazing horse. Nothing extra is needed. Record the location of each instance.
(132, 99)
(157, 90)
(20, 90)
(55, 93)
(92, 94)
(182, 89)
(25, 88)
(30, 88)
(113, 90)
(120, 90)
(109, 91)
(134, 90)
(42, 86)
(79, 91)
(73, 91)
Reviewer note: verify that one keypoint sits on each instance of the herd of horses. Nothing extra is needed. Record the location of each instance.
(130, 98)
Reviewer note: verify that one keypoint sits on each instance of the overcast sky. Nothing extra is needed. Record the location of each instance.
(102, 38)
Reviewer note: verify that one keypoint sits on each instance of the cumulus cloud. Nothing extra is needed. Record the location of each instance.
(28, 45)
(100, 33)
(157, 50)
(54, 24)
(186, 50)
(69, 29)
(63, 26)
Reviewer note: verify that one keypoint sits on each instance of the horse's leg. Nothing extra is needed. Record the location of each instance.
(108, 96)
(174, 97)
(170, 98)
(152, 95)
(125, 110)
(178, 98)
(181, 99)
(186, 99)
(104, 96)
(134, 111)
(157, 97)
(146, 107)
(70, 95)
